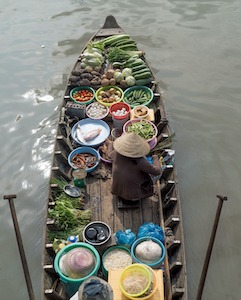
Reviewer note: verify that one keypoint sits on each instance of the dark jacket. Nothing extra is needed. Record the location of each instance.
(130, 176)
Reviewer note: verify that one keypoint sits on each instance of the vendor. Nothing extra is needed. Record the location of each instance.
(131, 170)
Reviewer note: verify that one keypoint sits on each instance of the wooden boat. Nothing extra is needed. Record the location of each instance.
(164, 208)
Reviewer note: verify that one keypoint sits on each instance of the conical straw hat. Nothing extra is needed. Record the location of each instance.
(131, 145)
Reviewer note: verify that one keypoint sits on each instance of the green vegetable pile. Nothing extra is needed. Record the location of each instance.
(142, 128)
(69, 216)
(137, 97)
(120, 55)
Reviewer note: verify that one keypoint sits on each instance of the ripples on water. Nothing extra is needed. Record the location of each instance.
(194, 49)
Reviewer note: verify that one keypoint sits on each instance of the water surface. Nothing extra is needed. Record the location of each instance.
(194, 50)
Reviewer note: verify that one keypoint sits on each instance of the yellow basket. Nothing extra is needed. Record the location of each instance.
(153, 287)
(134, 271)
(106, 89)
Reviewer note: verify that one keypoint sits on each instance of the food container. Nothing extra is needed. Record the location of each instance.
(138, 279)
(141, 132)
(137, 95)
(84, 150)
(154, 264)
(115, 133)
(98, 234)
(107, 89)
(114, 252)
(85, 126)
(102, 157)
(120, 114)
(79, 176)
(81, 88)
(72, 284)
(140, 111)
(97, 111)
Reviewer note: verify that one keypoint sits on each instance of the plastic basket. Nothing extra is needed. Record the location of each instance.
(133, 270)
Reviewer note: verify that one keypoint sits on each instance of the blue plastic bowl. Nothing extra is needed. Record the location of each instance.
(157, 264)
(84, 149)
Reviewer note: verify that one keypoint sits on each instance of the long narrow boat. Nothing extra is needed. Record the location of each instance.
(164, 208)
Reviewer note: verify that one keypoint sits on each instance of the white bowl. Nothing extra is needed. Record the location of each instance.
(143, 109)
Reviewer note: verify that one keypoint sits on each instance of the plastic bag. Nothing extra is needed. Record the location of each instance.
(125, 238)
(151, 229)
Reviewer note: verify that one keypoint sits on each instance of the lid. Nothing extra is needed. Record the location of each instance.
(91, 233)
(72, 191)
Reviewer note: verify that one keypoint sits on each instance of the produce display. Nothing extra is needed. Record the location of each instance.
(109, 94)
(115, 54)
(82, 95)
(67, 213)
(120, 112)
(96, 110)
(143, 128)
(137, 96)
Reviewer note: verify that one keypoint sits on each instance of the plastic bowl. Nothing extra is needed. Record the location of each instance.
(108, 252)
(72, 285)
(154, 264)
(84, 149)
(152, 289)
(87, 125)
(119, 106)
(130, 122)
(80, 88)
(91, 108)
(143, 109)
(102, 158)
(145, 89)
(134, 270)
(106, 89)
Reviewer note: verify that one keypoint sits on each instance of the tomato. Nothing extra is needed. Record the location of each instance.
(82, 95)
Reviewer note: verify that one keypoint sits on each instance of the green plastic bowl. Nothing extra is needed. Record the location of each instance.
(80, 88)
(109, 250)
(146, 89)
(72, 285)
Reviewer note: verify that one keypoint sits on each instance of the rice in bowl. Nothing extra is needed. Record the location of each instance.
(117, 258)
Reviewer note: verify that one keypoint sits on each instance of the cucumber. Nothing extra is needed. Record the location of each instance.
(140, 71)
(134, 63)
(143, 75)
(139, 67)
(144, 81)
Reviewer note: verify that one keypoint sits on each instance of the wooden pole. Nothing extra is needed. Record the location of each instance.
(20, 245)
(210, 247)
(168, 285)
